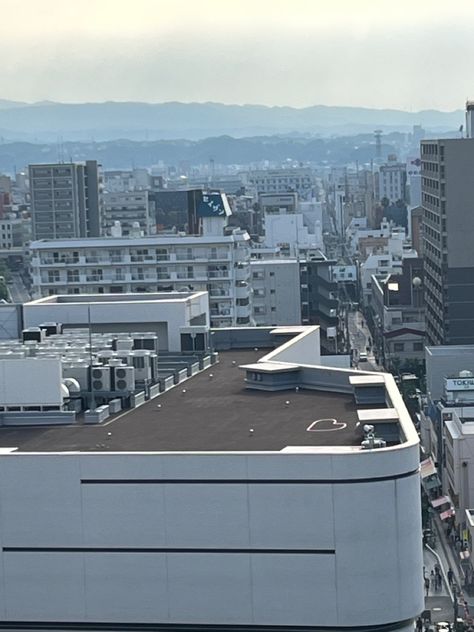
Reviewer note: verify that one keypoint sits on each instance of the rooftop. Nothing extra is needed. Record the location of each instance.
(115, 298)
(209, 414)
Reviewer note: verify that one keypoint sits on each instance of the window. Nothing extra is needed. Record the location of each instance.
(417, 346)
(399, 346)
(272, 291)
(272, 274)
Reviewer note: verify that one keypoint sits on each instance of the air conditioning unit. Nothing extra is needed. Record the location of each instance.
(123, 379)
(78, 371)
(149, 342)
(100, 378)
(141, 362)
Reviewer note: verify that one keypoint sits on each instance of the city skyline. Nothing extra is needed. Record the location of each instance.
(377, 55)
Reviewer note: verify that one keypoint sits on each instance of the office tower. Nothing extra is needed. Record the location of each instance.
(448, 226)
(66, 200)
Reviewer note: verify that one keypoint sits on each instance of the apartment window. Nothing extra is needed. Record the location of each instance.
(53, 276)
(73, 276)
(272, 274)
(399, 346)
(257, 275)
(272, 291)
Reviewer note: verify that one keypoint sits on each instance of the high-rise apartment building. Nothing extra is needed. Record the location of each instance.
(66, 200)
(448, 226)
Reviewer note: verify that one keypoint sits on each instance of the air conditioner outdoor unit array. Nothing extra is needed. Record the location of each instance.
(123, 378)
(100, 377)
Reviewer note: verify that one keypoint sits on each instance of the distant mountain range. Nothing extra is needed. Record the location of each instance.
(48, 121)
(124, 154)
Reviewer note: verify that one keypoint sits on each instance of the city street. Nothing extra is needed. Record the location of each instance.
(359, 337)
(17, 289)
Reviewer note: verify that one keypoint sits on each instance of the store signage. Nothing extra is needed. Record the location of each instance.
(460, 384)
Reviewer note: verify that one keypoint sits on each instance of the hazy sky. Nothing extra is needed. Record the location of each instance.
(409, 54)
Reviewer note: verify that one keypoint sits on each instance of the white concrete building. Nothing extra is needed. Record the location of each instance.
(127, 208)
(167, 314)
(236, 504)
(301, 181)
(413, 170)
(392, 181)
(276, 291)
(217, 264)
(14, 232)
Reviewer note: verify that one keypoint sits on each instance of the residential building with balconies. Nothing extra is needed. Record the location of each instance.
(218, 264)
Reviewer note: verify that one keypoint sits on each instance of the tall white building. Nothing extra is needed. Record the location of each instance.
(217, 264)
(237, 504)
(392, 181)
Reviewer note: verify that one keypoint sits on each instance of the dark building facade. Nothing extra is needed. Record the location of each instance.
(448, 227)
(176, 209)
(319, 301)
(66, 200)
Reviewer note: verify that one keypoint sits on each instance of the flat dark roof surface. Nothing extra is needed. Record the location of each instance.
(215, 414)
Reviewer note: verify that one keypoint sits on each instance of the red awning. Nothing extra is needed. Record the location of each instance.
(427, 468)
(447, 514)
(442, 500)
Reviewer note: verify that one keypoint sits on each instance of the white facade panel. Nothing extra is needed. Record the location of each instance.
(293, 516)
(126, 587)
(209, 588)
(40, 498)
(206, 515)
(290, 590)
(122, 515)
(44, 586)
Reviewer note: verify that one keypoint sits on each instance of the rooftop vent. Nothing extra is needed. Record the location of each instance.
(465, 373)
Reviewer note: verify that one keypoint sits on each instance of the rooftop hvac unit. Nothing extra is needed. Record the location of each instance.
(123, 344)
(105, 356)
(51, 328)
(154, 366)
(123, 379)
(142, 363)
(100, 377)
(33, 333)
(148, 342)
(77, 371)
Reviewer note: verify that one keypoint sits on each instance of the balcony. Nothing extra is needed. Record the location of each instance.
(242, 272)
(242, 291)
(218, 274)
(243, 311)
(220, 293)
(220, 312)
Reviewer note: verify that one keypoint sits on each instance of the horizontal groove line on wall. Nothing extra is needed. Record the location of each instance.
(77, 549)
(242, 481)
